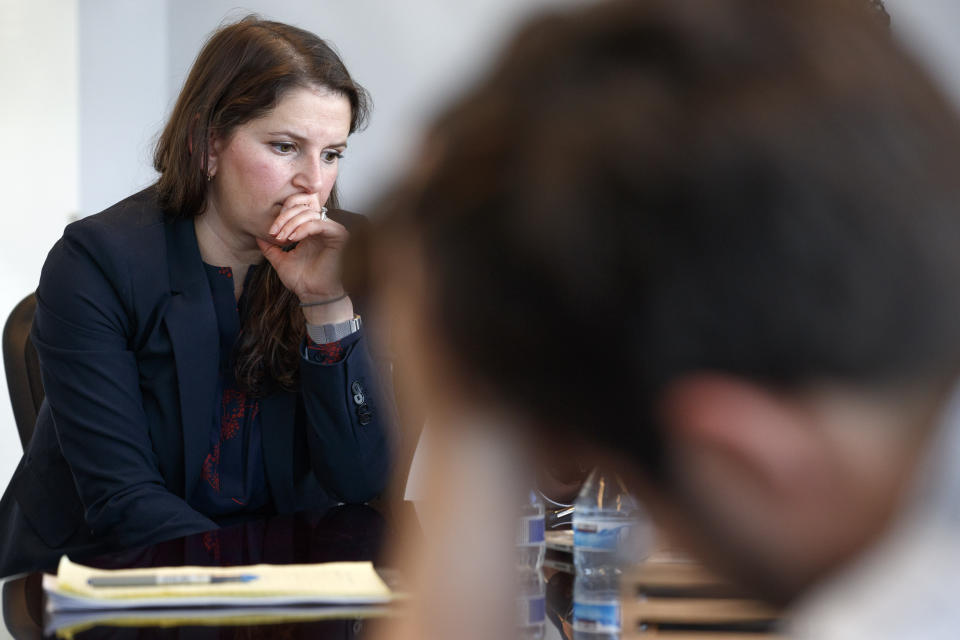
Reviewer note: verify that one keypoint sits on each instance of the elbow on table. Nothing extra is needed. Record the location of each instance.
(144, 513)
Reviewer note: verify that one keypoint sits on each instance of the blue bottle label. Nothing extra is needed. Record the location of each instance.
(532, 531)
(532, 610)
(600, 535)
(596, 616)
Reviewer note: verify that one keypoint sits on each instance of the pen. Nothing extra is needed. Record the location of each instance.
(152, 580)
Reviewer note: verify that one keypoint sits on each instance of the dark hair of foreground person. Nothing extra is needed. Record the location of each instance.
(690, 185)
(717, 240)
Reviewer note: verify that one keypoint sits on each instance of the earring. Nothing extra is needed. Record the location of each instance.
(209, 177)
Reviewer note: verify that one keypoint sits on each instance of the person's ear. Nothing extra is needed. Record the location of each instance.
(214, 149)
(765, 439)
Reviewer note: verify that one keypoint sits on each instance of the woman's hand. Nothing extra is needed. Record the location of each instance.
(311, 270)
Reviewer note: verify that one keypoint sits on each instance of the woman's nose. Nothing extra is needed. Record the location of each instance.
(310, 174)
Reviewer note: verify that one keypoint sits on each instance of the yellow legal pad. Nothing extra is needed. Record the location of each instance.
(68, 624)
(275, 585)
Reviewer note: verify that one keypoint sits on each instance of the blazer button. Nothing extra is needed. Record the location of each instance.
(365, 414)
(357, 389)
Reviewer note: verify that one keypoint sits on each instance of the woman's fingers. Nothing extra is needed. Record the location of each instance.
(290, 209)
(310, 223)
(293, 222)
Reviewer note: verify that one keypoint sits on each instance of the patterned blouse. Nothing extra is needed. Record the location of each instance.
(233, 479)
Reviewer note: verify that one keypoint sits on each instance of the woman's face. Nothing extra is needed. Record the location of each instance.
(292, 152)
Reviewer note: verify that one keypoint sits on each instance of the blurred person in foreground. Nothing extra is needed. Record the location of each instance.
(715, 243)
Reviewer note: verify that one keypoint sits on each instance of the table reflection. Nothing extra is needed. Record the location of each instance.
(349, 532)
(345, 533)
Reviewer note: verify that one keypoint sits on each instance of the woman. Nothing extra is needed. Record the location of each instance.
(200, 358)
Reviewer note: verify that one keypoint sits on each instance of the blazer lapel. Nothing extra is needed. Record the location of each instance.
(277, 425)
(192, 324)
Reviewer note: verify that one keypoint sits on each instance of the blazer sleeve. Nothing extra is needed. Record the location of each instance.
(82, 331)
(351, 420)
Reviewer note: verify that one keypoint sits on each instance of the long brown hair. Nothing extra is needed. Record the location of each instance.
(242, 72)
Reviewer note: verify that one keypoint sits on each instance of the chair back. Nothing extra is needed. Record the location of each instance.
(22, 368)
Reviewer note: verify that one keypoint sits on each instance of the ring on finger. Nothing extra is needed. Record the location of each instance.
(323, 214)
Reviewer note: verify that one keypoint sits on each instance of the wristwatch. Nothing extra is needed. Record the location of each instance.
(327, 333)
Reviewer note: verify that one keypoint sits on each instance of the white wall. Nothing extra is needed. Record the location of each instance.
(123, 96)
(38, 162)
(930, 29)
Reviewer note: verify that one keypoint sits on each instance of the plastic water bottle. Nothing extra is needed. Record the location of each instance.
(610, 532)
(531, 605)
(531, 546)
(531, 529)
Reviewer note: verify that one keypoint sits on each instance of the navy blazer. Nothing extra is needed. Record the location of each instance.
(127, 337)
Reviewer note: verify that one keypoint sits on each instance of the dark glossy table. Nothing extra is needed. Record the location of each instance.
(350, 532)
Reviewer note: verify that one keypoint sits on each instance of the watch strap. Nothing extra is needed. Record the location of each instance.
(327, 333)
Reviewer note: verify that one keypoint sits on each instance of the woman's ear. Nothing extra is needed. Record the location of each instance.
(743, 431)
(214, 147)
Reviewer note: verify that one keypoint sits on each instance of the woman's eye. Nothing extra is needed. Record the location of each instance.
(331, 155)
(283, 147)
